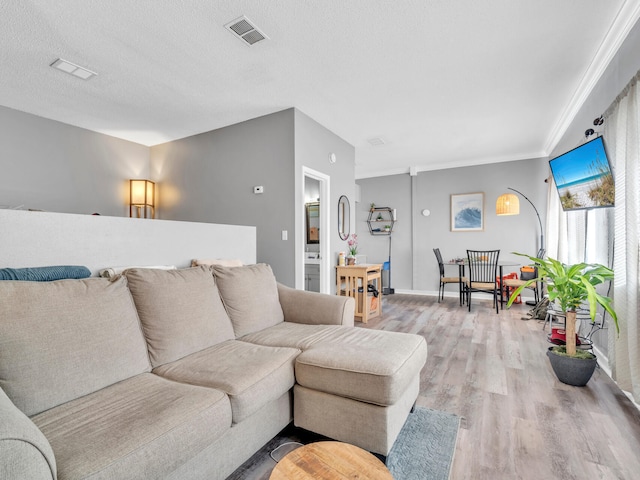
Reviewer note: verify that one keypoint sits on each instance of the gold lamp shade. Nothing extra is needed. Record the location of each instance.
(142, 196)
(508, 204)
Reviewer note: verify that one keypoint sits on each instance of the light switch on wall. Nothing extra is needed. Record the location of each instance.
(285, 235)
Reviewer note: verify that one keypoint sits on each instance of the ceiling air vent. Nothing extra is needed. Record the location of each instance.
(73, 69)
(244, 30)
(376, 141)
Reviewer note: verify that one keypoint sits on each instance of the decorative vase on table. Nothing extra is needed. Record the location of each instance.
(353, 249)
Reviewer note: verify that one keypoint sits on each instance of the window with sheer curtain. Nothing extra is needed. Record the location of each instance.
(611, 236)
(622, 122)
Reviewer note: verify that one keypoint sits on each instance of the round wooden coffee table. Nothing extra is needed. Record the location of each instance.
(329, 461)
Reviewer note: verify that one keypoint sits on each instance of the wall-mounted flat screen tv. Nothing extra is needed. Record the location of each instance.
(583, 177)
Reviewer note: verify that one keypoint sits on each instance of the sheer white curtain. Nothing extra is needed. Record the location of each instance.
(622, 122)
(566, 232)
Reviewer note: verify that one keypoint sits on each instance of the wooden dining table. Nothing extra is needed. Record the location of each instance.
(501, 264)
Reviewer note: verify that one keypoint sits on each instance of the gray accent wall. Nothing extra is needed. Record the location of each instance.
(210, 178)
(413, 263)
(52, 166)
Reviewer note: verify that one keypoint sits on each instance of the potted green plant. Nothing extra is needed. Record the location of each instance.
(570, 286)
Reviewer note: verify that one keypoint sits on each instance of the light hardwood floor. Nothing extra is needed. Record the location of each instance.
(518, 420)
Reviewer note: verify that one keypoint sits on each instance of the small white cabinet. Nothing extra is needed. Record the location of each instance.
(312, 277)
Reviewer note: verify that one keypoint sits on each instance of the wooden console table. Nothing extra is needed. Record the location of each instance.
(353, 281)
(330, 461)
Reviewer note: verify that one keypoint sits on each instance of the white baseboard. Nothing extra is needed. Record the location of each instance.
(424, 292)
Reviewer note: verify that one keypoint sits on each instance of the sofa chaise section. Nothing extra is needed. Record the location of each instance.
(352, 384)
(359, 386)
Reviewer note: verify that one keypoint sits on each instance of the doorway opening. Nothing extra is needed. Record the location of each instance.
(312, 249)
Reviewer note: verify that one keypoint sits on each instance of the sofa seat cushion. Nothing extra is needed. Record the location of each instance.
(180, 310)
(68, 338)
(251, 375)
(368, 365)
(250, 295)
(293, 335)
(142, 427)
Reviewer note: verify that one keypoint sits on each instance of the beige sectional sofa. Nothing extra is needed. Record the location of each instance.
(186, 373)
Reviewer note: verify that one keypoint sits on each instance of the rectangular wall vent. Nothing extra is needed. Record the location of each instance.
(243, 29)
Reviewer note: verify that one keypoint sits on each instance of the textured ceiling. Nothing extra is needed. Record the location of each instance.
(445, 83)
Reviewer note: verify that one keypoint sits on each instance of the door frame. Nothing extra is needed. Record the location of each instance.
(325, 222)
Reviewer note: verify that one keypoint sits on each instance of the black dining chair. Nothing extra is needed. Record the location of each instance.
(448, 280)
(483, 274)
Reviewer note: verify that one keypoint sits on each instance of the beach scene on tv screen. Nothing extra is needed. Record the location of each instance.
(583, 177)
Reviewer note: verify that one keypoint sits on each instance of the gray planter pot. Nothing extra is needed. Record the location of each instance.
(572, 371)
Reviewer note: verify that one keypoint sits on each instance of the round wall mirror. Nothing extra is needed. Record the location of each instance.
(343, 217)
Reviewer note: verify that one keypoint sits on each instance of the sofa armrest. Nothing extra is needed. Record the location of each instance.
(24, 450)
(313, 308)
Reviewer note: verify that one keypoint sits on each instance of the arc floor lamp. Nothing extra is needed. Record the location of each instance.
(509, 204)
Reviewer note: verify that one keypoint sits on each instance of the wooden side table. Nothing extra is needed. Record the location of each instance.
(330, 461)
(353, 280)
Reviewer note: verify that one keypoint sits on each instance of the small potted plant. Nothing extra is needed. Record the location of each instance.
(387, 228)
(352, 242)
(570, 286)
(372, 207)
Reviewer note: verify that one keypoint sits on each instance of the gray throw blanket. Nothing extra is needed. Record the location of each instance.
(44, 274)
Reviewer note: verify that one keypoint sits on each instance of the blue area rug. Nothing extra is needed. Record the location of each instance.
(423, 450)
(425, 447)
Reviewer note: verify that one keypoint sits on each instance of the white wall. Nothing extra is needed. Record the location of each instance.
(35, 239)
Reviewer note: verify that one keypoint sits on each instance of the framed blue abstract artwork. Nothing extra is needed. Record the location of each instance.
(467, 212)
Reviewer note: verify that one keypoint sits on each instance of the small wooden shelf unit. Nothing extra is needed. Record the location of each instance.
(379, 218)
(353, 281)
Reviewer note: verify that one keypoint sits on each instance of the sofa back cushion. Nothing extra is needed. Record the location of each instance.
(250, 295)
(65, 339)
(180, 310)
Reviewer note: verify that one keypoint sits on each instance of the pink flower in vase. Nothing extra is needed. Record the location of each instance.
(353, 244)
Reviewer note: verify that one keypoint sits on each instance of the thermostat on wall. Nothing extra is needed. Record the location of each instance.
(258, 189)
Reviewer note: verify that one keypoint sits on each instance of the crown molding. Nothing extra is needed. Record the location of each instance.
(623, 23)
